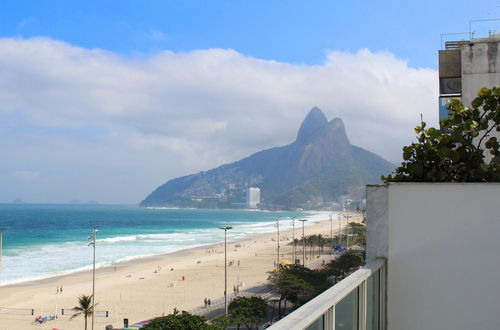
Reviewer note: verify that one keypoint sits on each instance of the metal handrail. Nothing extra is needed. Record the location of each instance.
(452, 41)
(453, 44)
(314, 309)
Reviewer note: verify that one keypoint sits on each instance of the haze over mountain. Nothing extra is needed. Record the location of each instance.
(319, 166)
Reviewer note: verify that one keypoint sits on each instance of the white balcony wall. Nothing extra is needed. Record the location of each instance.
(442, 247)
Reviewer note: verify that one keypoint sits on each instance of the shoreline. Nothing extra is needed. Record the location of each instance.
(137, 259)
(148, 287)
(124, 263)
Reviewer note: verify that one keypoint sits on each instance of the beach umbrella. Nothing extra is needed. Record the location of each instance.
(285, 262)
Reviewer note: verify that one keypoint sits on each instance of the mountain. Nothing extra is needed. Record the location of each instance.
(319, 166)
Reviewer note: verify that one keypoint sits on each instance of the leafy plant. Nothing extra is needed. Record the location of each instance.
(344, 265)
(289, 287)
(358, 230)
(220, 322)
(180, 321)
(457, 153)
(248, 311)
(315, 277)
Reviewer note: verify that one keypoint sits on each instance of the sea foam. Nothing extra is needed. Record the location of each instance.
(27, 263)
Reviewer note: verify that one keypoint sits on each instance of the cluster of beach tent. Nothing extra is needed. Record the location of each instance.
(43, 319)
(137, 325)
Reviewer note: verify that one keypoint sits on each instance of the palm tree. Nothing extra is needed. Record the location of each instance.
(84, 308)
(310, 242)
(313, 244)
(321, 242)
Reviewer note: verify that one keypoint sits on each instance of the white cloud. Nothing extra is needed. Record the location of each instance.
(136, 122)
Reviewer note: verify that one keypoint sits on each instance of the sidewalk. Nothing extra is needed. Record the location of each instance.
(217, 306)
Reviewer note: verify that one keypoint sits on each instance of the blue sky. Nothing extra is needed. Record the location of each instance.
(289, 31)
(106, 100)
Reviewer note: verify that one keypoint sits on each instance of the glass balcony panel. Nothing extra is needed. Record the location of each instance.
(346, 312)
(317, 325)
(373, 301)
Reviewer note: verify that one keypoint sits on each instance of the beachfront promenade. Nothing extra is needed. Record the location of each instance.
(261, 289)
(216, 307)
(133, 289)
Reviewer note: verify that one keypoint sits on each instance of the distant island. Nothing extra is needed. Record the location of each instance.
(18, 201)
(320, 169)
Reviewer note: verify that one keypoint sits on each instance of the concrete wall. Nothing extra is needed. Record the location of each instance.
(480, 66)
(443, 254)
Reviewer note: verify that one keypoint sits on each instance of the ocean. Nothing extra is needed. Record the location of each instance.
(49, 240)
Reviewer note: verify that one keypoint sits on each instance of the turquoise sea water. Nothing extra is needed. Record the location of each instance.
(47, 240)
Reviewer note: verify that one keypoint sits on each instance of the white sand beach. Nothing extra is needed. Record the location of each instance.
(144, 288)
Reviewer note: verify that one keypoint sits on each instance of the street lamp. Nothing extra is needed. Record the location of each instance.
(278, 227)
(303, 243)
(92, 240)
(347, 228)
(331, 234)
(225, 228)
(338, 237)
(1, 234)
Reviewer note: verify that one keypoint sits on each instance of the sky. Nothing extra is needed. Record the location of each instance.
(106, 100)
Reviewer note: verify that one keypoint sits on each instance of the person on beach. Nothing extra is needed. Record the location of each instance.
(206, 302)
(209, 302)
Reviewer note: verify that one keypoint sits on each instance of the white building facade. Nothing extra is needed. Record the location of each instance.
(253, 198)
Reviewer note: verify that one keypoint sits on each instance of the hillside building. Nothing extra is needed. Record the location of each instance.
(253, 198)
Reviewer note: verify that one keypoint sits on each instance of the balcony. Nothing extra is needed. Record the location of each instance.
(355, 303)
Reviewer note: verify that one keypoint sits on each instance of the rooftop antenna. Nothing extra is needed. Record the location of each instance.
(471, 33)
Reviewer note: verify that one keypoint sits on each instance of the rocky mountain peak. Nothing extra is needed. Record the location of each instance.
(337, 133)
(337, 123)
(314, 121)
